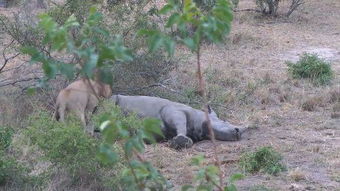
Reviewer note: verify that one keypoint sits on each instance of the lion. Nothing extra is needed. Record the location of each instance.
(80, 98)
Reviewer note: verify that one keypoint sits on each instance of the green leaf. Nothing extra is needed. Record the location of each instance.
(128, 146)
(231, 187)
(169, 46)
(155, 42)
(105, 75)
(49, 69)
(105, 53)
(204, 188)
(106, 155)
(121, 53)
(152, 125)
(186, 187)
(197, 160)
(91, 63)
(147, 32)
(71, 21)
(236, 177)
(212, 170)
(31, 91)
(47, 23)
(166, 9)
(67, 69)
(190, 43)
(172, 20)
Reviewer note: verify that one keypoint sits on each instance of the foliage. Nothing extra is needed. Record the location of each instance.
(7, 166)
(312, 67)
(94, 48)
(5, 137)
(78, 8)
(139, 174)
(207, 177)
(265, 159)
(65, 145)
(11, 171)
(194, 26)
(212, 26)
(205, 4)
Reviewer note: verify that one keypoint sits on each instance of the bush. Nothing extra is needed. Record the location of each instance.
(5, 137)
(312, 67)
(78, 8)
(270, 7)
(7, 165)
(65, 145)
(265, 159)
(11, 172)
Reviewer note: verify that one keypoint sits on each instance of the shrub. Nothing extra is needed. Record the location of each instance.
(65, 145)
(5, 137)
(312, 67)
(7, 166)
(11, 172)
(265, 159)
(270, 7)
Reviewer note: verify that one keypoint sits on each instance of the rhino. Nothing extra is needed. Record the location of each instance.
(181, 124)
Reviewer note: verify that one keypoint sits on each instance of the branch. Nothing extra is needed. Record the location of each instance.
(202, 91)
(243, 10)
(4, 56)
(18, 81)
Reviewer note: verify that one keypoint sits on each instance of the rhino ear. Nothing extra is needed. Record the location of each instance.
(211, 111)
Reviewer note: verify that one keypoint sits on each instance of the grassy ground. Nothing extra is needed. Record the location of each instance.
(248, 80)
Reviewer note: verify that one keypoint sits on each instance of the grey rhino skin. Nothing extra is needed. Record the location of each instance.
(182, 124)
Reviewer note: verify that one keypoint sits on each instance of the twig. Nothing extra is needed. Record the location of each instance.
(295, 4)
(18, 81)
(17, 67)
(243, 10)
(140, 184)
(91, 87)
(201, 90)
(4, 56)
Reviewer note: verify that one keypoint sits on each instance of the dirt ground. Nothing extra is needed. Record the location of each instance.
(308, 140)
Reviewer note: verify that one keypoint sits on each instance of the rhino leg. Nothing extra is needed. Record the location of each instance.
(177, 120)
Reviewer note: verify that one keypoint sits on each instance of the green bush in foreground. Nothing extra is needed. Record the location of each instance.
(65, 145)
(312, 67)
(265, 159)
(5, 137)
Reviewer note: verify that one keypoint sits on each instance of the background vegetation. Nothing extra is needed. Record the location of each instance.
(247, 83)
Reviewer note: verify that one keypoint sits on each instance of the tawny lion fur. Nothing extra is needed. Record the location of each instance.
(79, 98)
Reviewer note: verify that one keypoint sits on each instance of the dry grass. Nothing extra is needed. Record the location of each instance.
(249, 85)
(297, 174)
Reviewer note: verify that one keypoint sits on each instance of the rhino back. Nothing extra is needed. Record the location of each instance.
(144, 106)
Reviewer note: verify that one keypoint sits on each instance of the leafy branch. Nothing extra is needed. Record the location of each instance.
(194, 26)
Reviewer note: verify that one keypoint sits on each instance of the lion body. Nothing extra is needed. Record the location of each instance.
(79, 97)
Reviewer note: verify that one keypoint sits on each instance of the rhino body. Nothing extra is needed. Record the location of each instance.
(181, 124)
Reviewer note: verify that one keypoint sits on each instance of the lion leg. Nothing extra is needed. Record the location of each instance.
(91, 106)
(61, 112)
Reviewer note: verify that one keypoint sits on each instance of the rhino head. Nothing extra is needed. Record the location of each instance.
(223, 130)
